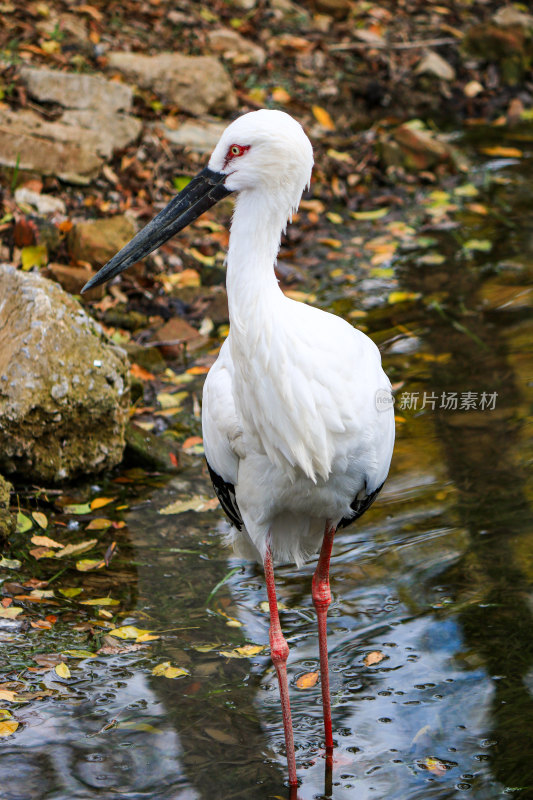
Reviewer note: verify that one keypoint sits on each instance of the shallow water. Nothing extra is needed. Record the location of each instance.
(436, 578)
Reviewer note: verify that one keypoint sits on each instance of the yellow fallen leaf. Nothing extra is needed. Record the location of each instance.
(377, 213)
(336, 244)
(194, 503)
(207, 261)
(249, 649)
(100, 502)
(300, 297)
(100, 601)
(71, 591)
(10, 613)
(7, 694)
(86, 564)
(402, 297)
(45, 541)
(338, 156)
(323, 118)
(373, 658)
(8, 726)
(42, 552)
(171, 400)
(168, 671)
(265, 608)
(98, 524)
(33, 256)
(51, 46)
(40, 519)
(435, 765)
(131, 632)
(187, 277)
(62, 670)
(246, 651)
(307, 681)
(79, 653)
(80, 547)
(147, 637)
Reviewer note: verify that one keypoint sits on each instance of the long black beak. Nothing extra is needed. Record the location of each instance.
(206, 189)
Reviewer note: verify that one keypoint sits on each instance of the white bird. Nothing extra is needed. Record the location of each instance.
(297, 415)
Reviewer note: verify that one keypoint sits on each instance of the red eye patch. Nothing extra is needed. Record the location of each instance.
(235, 151)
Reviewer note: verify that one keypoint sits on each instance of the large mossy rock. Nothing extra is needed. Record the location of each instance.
(64, 388)
(8, 520)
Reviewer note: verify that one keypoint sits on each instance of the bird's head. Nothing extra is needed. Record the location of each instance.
(264, 151)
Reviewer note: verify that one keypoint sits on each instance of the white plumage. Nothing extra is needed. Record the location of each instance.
(289, 408)
(297, 412)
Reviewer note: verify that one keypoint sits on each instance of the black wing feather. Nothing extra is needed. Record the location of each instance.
(226, 495)
(359, 506)
(225, 492)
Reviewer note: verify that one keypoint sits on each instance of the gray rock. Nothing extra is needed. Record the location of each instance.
(64, 387)
(96, 241)
(508, 16)
(197, 84)
(42, 203)
(75, 90)
(433, 64)
(115, 131)
(49, 148)
(199, 136)
(235, 47)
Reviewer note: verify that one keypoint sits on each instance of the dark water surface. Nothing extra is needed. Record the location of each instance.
(436, 578)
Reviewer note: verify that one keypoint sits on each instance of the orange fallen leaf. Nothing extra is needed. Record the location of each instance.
(291, 42)
(141, 373)
(45, 541)
(373, 658)
(280, 95)
(42, 552)
(502, 152)
(200, 370)
(307, 681)
(323, 118)
(191, 441)
(41, 624)
(99, 502)
(8, 726)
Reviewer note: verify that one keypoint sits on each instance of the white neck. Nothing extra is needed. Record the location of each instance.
(258, 222)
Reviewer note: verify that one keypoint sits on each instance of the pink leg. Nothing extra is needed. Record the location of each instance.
(321, 600)
(279, 651)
